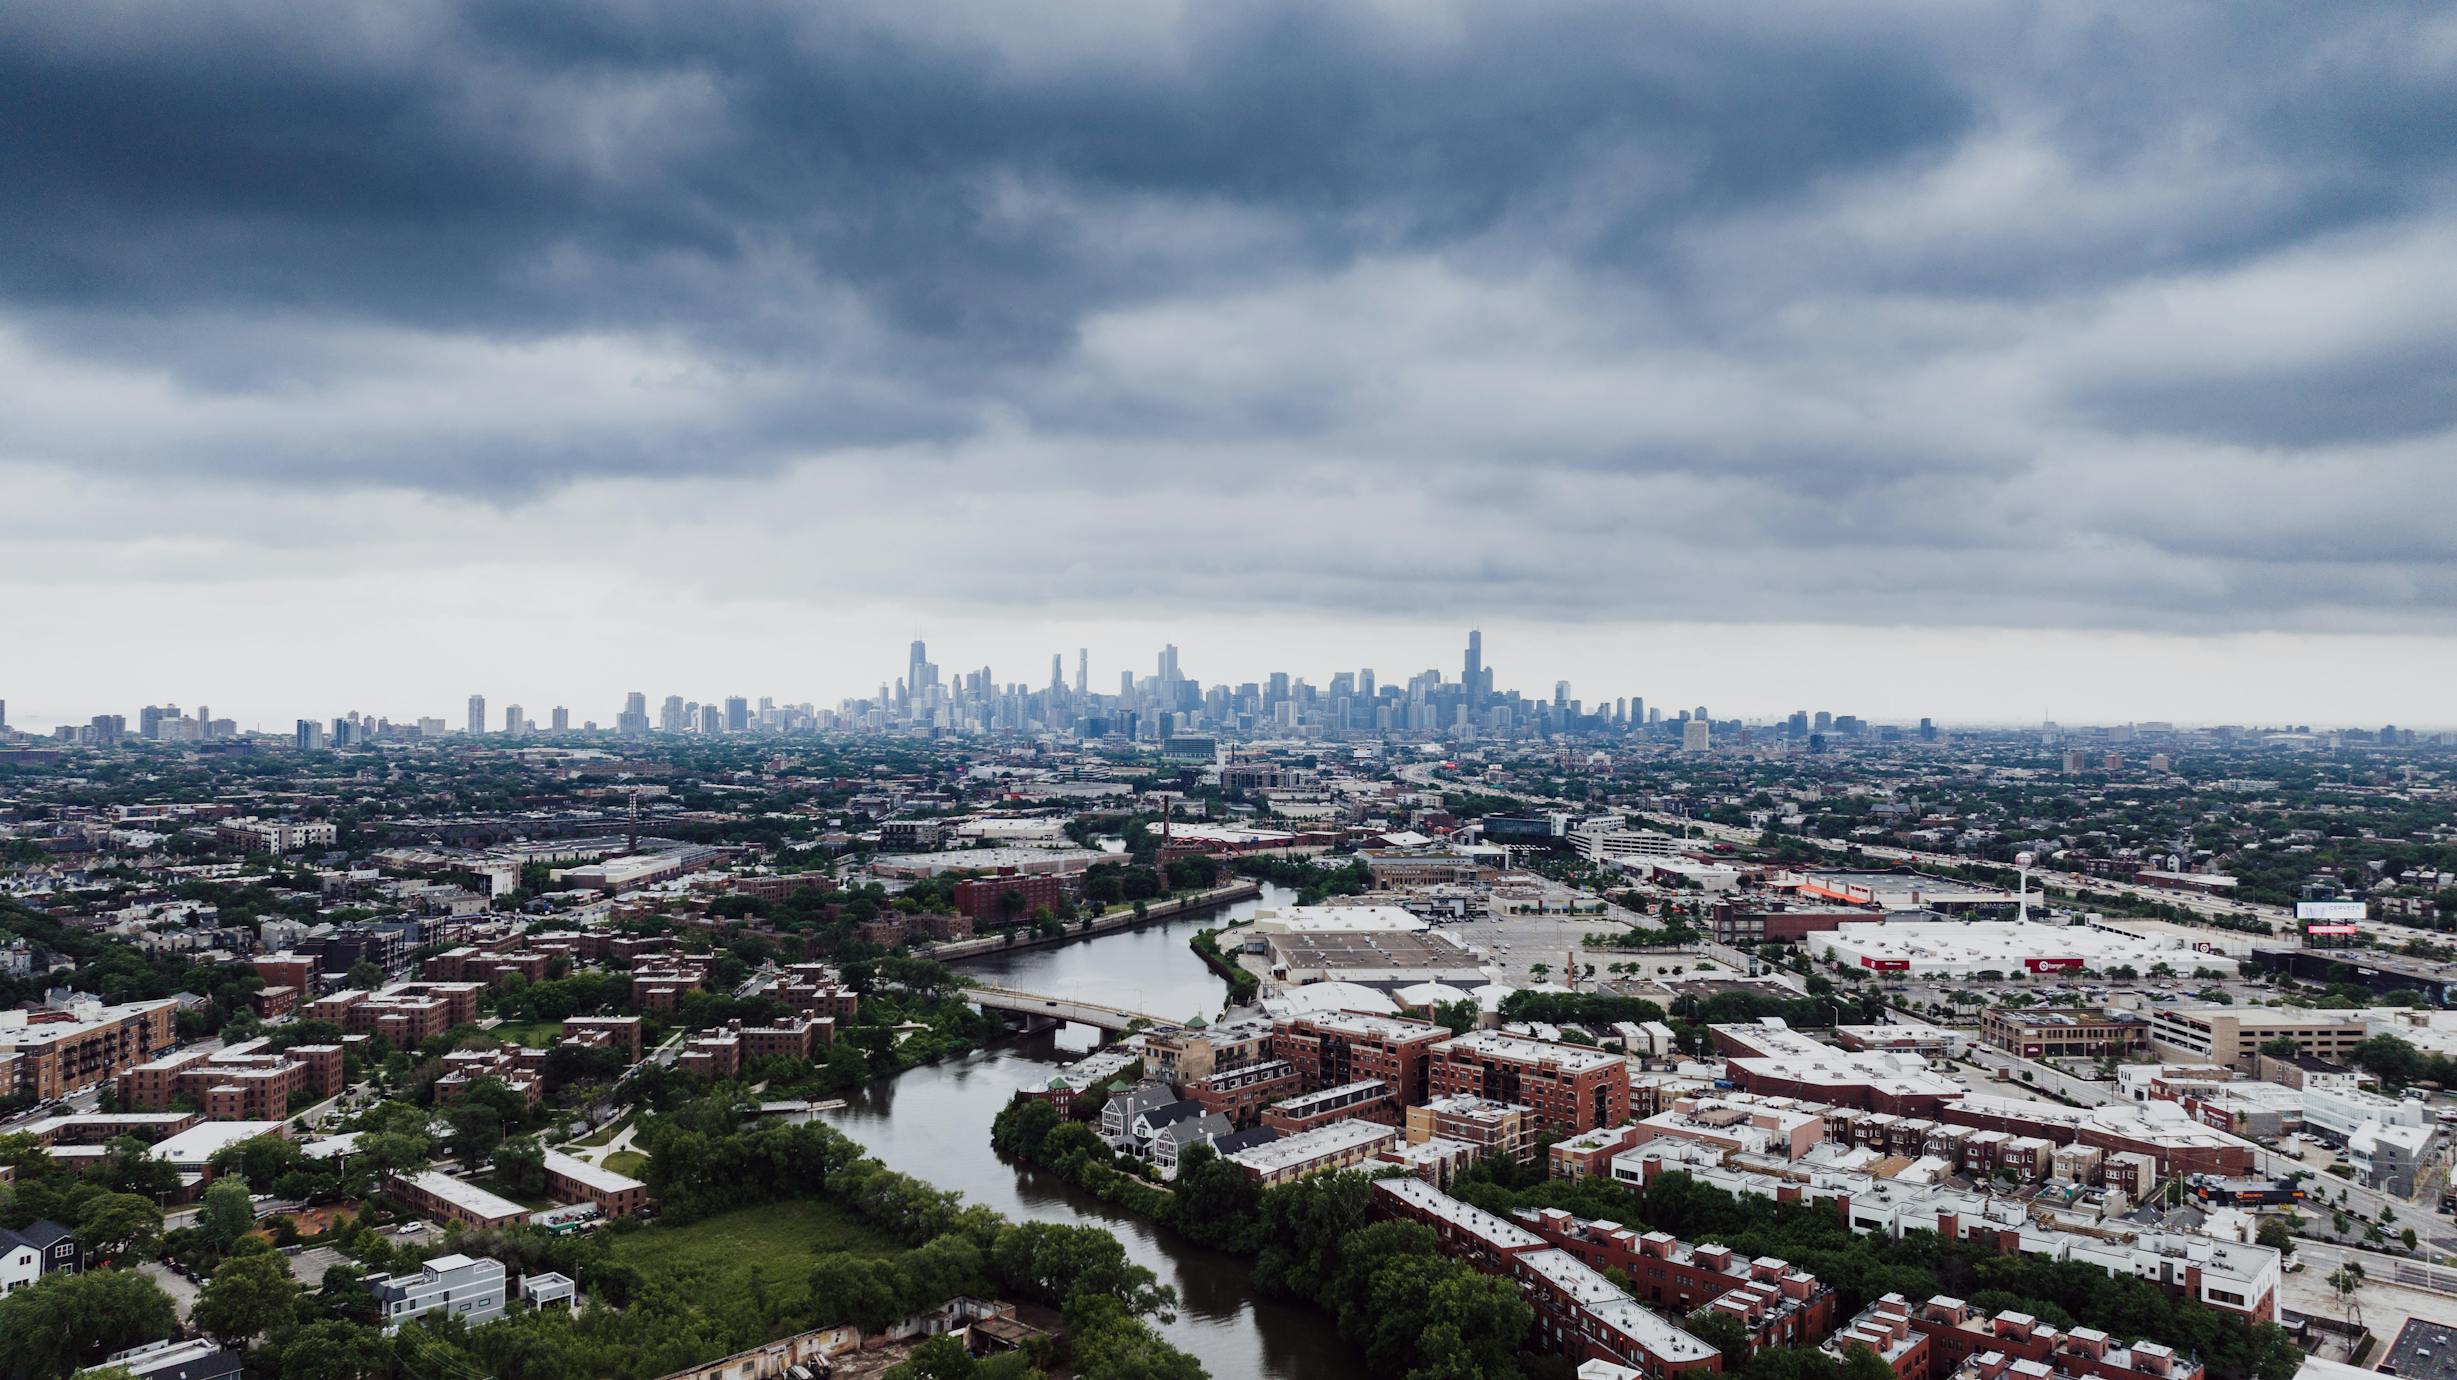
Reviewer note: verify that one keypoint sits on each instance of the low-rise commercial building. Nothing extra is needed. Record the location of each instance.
(2233, 1035)
(2064, 1034)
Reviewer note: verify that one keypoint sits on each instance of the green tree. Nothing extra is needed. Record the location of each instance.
(331, 1349)
(112, 1224)
(2275, 1234)
(261, 1160)
(521, 1166)
(227, 1213)
(1110, 1343)
(64, 1321)
(849, 1288)
(248, 1295)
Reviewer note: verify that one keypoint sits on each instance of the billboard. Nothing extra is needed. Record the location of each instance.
(2331, 929)
(2329, 910)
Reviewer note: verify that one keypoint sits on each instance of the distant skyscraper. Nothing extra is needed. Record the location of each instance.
(477, 715)
(1472, 674)
(514, 721)
(1083, 672)
(1695, 735)
(738, 712)
(670, 716)
(563, 719)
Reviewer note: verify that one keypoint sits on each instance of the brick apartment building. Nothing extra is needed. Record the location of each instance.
(48, 1054)
(1185, 1056)
(1366, 1100)
(246, 1082)
(403, 1014)
(1952, 1336)
(517, 1069)
(723, 1053)
(1491, 1128)
(1779, 1305)
(1240, 1094)
(815, 989)
(296, 971)
(660, 987)
(571, 1180)
(1570, 1088)
(614, 1032)
(1579, 1312)
(1335, 1048)
(985, 898)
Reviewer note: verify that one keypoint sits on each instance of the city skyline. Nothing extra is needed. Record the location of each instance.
(1087, 667)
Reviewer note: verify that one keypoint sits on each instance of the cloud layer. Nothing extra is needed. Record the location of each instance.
(2083, 316)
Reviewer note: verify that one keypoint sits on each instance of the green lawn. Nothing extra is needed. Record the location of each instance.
(534, 1034)
(721, 1254)
(630, 1162)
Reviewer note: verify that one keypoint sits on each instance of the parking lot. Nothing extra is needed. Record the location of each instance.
(1513, 945)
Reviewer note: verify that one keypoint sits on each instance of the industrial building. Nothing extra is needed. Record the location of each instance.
(1944, 949)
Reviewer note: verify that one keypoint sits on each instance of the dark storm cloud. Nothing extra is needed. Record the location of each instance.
(1952, 294)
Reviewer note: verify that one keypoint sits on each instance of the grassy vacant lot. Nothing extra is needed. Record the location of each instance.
(534, 1034)
(721, 1254)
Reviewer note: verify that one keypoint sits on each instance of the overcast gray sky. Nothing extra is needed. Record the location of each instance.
(1975, 360)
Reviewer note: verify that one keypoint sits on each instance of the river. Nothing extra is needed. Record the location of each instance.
(934, 1124)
